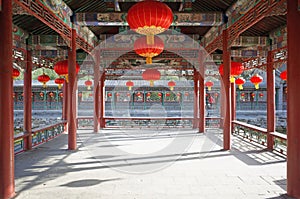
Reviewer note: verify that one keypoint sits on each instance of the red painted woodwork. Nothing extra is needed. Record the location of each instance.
(72, 88)
(293, 102)
(7, 186)
(227, 90)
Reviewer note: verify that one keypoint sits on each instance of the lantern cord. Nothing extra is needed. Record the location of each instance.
(151, 83)
(150, 39)
(149, 60)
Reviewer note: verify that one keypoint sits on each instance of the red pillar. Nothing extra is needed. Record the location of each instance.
(65, 105)
(233, 102)
(270, 101)
(201, 95)
(7, 186)
(102, 101)
(293, 106)
(72, 88)
(227, 97)
(222, 102)
(196, 99)
(28, 101)
(96, 93)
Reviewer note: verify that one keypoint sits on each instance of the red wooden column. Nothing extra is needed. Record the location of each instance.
(28, 101)
(102, 100)
(227, 97)
(7, 186)
(293, 103)
(72, 88)
(196, 99)
(222, 102)
(96, 93)
(233, 102)
(201, 74)
(65, 105)
(270, 101)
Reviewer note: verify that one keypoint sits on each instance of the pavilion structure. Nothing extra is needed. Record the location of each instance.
(259, 34)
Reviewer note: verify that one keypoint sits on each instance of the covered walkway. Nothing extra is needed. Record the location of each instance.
(120, 163)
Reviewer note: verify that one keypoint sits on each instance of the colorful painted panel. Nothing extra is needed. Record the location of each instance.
(119, 19)
(60, 9)
(18, 145)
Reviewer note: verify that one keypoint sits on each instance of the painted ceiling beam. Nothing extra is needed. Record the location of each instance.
(119, 19)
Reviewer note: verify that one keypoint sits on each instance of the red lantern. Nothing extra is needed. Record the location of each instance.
(15, 73)
(41, 94)
(43, 79)
(159, 94)
(252, 95)
(168, 94)
(171, 84)
(138, 94)
(151, 75)
(148, 94)
(61, 68)
(129, 84)
(79, 94)
(51, 94)
(240, 82)
(209, 84)
(256, 80)
(145, 50)
(109, 94)
(149, 18)
(88, 83)
(260, 95)
(235, 70)
(242, 95)
(186, 94)
(59, 81)
(61, 95)
(128, 94)
(91, 94)
(283, 75)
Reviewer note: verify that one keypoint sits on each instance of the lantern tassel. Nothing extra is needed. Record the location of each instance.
(89, 87)
(232, 79)
(59, 86)
(129, 88)
(151, 83)
(256, 86)
(209, 88)
(171, 88)
(44, 85)
(149, 60)
(67, 78)
(241, 87)
(150, 39)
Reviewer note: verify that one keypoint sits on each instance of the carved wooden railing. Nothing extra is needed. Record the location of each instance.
(257, 134)
(39, 136)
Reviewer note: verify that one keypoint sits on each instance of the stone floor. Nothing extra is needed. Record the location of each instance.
(144, 163)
